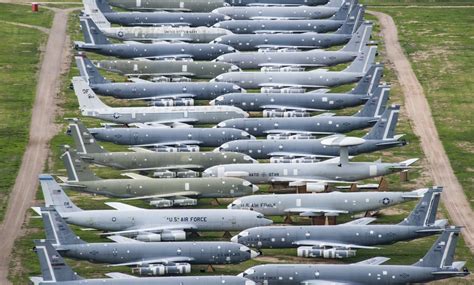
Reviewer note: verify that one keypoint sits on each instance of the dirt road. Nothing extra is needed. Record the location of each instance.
(42, 129)
(419, 112)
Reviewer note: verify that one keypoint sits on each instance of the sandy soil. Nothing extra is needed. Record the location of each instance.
(419, 113)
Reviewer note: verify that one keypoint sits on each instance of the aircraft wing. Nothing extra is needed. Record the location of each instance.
(155, 74)
(284, 46)
(280, 85)
(122, 207)
(331, 244)
(174, 121)
(282, 131)
(165, 96)
(325, 115)
(122, 239)
(373, 261)
(139, 80)
(183, 166)
(282, 107)
(152, 229)
(167, 195)
(273, 64)
(135, 175)
(296, 154)
(301, 180)
(309, 212)
(175, 143)
(361, 221)
(168, 260)
(118, 275)
(320, 91)
(170, 56)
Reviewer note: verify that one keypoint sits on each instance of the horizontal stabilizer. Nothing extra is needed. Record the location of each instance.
(360, 222)
(135, 175)
(373, 261)
(122, 207)
(119, 275)
(122, 239)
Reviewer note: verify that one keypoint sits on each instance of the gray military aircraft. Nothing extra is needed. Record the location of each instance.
(329, 204)
(56, 272)
(437, 264)
(175, 69)
(175, 19)
(169, 5)
(145, 224)
(161, 193)
(344, 239)
(281, 12)
(152, 91)
(91, 106)
(95, 41)
(146, 258)
(314, 79)
(319, 100)
(381, 136)
(146, 136)
(302, 59)
(251, 42)
(266, 26)
(286, 3)
(147, 160)
(322, 124)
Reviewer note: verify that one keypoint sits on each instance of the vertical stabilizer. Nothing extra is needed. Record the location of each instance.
(53, 267)
(57, 230)
(363, 61)
(371, 80)
(96, 14)
(88, 100)
(84, 141)
(92, 34)
(344, 9)
(360, 38)
(385, 127)
(88, 71)
(54, 195)
(376, 104)
(353, 22)
(424, 214)
(77, 169)
(441, 254)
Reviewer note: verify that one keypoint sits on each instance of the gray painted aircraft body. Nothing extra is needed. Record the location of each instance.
(333, 203)
(306, 59)
(343, 240)
(277, 13)
(62, 274)
(381, 136)
(155, 69)
(91, 106)
(319, 100)
(437, 264)
(146, 90)
(151, 136)
(146, 160)
(145, 224)
(144, 256)
(313, 79)
(96, 42)
(289, 3)
(323, 124)
(160, 192)
(169, 5)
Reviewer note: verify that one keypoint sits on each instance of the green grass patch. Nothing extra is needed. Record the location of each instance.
(23, 14)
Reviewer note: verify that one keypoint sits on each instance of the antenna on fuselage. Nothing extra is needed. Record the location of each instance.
(343, 143)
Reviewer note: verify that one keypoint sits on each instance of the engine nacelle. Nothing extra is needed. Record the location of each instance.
(161, 79)
(160, 269)
(164, 174)
(315, 187)
(284, 114)
(161, 203)
(309, 251)
(291, 69)
(172, 102)
(301, 137)
(269, 69)
(148, 237)
(173, 235)
(181, 79)
(185, 202)
(277, 137)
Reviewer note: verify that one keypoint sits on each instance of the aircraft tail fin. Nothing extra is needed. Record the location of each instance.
(344, 9)
(53, 267)
(92, 34)
(336, 3)
(352, 23)
(104, 6)
(363, 61)
(441, 254)
(88, 71)
(57, 230)
(369, 83)
(54, 195)
(376, 104)
(83, 140)
(91, 8)
(88, 100)
(424, 214)
(385, 127)
(77, 169)
(360, 38)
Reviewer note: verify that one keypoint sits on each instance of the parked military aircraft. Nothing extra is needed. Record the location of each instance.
(161, 193)
(151, 34)
(56, 272)
(153, 91)
(269, 26)
(95, 41)
(251, 42)
(159, 68)
(146, 258)
(329, 204)
(281, 12)
(147, 160)
(319, 100)
(145, 224)
(381, 136)
(344, 239)
(91, 106)
(322, 124)
(289, 3)
(314, 79)
(437, 264)
(302, 59)
(169, 5)
(175, 19)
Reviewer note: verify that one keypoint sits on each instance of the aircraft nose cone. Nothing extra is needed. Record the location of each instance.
(253, 254)
(235, 239)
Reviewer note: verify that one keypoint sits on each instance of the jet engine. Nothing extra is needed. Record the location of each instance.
(172, 102)
(161, 203)
(171, 235)
(161, 269)
(315, 187)
(309, 251)
(185, 202)
(284, 114)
